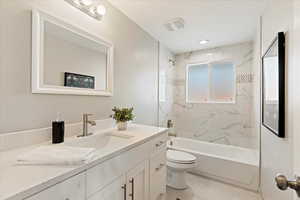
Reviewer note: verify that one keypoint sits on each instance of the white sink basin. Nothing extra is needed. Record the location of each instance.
(101, 140)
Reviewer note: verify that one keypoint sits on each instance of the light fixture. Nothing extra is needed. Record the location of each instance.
(204, 41)
(89, 7)
(92, 10)
(97, 12)
(101, 10)
(175, 24)
(172, 62)
(86, 2)
(76, 2)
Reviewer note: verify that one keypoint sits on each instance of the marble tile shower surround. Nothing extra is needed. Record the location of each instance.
(230, 124)
(165, 107)
(35, 136)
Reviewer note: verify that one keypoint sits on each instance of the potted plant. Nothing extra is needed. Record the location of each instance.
(122, 116)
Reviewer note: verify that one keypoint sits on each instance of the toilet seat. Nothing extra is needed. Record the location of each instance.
(180, 157)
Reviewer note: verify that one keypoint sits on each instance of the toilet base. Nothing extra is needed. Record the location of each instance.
(176, 179)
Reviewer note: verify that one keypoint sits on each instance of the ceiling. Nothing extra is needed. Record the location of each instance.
(222, 22)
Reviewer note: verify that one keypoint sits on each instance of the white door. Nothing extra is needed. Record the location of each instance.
(282, 155)
(138, 182)
(296, 116)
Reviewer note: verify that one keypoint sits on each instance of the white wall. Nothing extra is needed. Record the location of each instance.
(135, 73)
(276, 153)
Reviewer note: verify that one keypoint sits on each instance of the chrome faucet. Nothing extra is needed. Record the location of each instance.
(86, 123)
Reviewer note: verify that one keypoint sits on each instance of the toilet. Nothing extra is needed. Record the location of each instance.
(178, 163)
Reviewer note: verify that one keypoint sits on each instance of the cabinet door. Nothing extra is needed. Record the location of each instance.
(70, 189)
(114, 191)
(138, 182)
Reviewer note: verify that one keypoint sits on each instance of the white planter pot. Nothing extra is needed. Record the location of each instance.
(122, 126)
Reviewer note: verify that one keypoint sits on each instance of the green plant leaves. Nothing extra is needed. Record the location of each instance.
(122, 114)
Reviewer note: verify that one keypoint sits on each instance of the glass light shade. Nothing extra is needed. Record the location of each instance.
(76, 2)
(101, 10)
(86, 2)
(92, 10)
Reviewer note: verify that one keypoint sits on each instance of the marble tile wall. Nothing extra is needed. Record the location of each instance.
(167, 74)
(230, 124)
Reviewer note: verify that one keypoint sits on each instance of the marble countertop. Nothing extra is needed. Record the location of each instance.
(20, 181)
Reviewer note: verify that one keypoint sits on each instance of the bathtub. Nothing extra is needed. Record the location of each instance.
(234, 165)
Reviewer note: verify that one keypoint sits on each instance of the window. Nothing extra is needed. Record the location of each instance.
(210, 83)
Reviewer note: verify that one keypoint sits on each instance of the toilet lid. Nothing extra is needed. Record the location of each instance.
(180, 157)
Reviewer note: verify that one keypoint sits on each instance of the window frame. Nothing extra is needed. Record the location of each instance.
(209, 101)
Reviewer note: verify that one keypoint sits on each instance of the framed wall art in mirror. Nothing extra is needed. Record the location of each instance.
(69, 60)
(273, 85)
(79, 80)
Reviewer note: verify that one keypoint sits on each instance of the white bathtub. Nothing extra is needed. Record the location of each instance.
(230, 164)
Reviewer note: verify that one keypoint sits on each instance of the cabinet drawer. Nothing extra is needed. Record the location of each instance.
(158, 161)
(159, 143)
(71, 189)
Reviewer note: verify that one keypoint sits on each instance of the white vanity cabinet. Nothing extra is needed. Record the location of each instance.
(113, 191)
(158, 169)
(158, 176)
(137, 181)
(70, 189)
(132, 185)
(136, 174)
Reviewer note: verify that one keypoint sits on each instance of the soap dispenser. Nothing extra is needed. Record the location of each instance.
(58, 130)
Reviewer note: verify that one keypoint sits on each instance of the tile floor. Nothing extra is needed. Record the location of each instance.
(201, 188)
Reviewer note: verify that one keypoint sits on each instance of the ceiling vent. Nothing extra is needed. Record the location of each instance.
(175, 24)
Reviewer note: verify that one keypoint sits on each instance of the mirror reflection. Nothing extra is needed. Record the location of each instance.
(71, 60)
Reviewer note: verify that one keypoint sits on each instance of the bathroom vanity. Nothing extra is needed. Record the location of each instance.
(129, 168)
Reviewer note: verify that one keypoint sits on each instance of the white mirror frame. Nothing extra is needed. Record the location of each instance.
(38, 86)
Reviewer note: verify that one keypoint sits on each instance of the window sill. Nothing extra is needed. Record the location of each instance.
(211, 102)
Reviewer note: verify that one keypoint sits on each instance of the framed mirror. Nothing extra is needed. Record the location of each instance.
(273, 85)
(69, 60)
